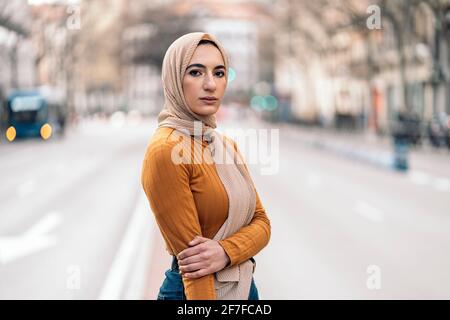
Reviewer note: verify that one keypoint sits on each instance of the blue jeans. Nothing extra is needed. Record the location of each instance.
(172, 286)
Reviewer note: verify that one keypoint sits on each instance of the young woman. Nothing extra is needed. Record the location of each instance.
(206, 206)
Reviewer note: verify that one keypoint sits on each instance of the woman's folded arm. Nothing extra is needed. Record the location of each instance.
(166, 185)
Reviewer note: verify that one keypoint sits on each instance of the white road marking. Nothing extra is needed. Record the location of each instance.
(419, 177)
(423, 178)
(45, 225)
(369, 212)
(138, 282)
(33, 240)
(128, 252)
(442, 184)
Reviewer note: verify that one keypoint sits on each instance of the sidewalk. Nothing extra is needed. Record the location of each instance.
(374, 149)
(426, 165)
(368, 148)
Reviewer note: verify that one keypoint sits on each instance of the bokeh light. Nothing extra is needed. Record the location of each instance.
(258, 103)
(231, 75)
(11, 134)
(46, 131)
(264, 103)
(271, 103)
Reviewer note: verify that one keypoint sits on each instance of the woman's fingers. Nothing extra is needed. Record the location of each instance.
(196, 274)
(189, 252)
(193, 250)
(202, 259)
(192, 259)
(192, 267)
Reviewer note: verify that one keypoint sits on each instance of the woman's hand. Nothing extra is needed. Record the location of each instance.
(205, 256)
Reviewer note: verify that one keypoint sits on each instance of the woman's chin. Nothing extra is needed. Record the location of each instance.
(206, 110)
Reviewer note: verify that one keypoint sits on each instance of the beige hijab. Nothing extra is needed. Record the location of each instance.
(233, 282)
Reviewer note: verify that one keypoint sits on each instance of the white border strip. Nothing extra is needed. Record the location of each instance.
(128, 252)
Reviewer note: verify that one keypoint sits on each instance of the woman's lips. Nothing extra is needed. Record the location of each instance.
(209, 101)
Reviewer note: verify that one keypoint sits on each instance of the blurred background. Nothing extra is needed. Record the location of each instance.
(358, 92)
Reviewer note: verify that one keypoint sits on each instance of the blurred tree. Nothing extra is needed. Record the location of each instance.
(326, 28)
(11, 15)
(14, 18)
(160, 26)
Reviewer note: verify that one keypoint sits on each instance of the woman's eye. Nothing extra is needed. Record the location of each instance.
(195, 73)
(192, 72)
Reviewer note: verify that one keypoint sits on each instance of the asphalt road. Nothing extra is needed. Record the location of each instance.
(65, 206)
(345, 229)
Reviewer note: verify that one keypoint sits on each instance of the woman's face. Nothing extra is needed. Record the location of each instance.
(205, 77)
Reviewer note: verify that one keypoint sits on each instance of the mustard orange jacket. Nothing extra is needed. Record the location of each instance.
(189, 200)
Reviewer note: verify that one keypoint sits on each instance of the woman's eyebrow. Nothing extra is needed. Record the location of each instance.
(199, 65)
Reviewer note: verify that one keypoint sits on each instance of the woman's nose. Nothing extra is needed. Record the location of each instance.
(209, 83)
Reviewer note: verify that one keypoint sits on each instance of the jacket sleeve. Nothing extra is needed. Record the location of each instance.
(251, 239)
(167, 187)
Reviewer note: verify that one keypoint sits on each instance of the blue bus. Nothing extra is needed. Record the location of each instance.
(29, 111)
